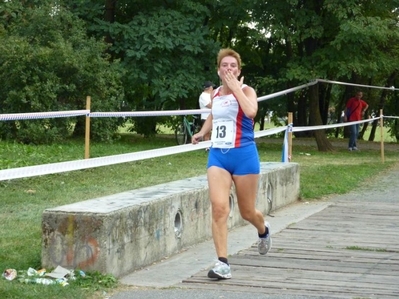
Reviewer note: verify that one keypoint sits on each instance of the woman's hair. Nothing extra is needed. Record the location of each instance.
(229, 52)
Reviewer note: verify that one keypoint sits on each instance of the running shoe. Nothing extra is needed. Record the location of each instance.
(220, 271)
(264, 244)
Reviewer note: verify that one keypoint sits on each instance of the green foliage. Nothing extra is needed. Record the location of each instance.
(48, 64)
(336, 40)
(165, 51)
(96, 281)
(154, 55)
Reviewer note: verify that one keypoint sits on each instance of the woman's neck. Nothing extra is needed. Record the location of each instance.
(224, 90)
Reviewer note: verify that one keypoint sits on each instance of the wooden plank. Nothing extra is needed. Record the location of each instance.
(267, 290)
(319, 265)
(314, 257)
(316, 277)
(300, 287)
(309, 285)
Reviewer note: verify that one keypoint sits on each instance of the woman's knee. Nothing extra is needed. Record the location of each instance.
(248, 214)
(220, 211)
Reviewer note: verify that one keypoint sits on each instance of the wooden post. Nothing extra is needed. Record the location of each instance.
(87, 131)
(382, 136)
(289, 137)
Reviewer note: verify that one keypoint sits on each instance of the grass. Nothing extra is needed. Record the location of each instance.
(366, 249)
(23, 200)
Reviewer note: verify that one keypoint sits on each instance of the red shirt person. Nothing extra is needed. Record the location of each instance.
(354, 111)
(355, 107)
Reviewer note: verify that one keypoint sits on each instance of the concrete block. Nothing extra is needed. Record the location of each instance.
(120, 233)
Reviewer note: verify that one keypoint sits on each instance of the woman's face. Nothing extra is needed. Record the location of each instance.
(228, 65)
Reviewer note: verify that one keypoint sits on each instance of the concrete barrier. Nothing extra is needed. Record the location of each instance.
(120, 233)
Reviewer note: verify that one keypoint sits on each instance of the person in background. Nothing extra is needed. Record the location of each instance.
(354, 111)
(233, 158)
(205, 101)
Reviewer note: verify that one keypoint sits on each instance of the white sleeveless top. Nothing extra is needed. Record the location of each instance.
(231, 127)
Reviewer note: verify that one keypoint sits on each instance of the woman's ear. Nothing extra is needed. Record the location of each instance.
(218, 73)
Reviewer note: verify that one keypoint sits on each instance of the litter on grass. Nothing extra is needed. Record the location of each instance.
(59, 275)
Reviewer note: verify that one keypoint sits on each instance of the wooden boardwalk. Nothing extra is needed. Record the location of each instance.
(348, 250)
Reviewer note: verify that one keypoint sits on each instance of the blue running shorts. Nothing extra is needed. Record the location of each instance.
(237, 161)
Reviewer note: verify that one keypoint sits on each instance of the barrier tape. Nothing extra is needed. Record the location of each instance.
(38, 115)
(38, 170)
(359, 85)
(52, 168)
(41, 115)
(301, 129)
(284, 92)
(149, 113)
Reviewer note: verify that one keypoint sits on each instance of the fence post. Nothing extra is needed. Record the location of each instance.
(87, 131)
(382, 135)
(289, 137)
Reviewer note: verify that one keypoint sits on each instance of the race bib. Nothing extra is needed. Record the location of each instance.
(223, 133)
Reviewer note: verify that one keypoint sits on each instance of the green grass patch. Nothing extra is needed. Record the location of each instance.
(365, 249)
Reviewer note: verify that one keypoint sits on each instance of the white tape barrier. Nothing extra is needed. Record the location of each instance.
(52, 168)
(149, 113)
(331, 126)
(54, 114)
(284, 92)
(359, 85)
(40, 115)
(20, 116)
(269, 132)
(30, 171)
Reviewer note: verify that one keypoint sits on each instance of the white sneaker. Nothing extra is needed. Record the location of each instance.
(220, 271)
(264, 244)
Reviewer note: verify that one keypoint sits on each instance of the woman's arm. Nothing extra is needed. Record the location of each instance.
(206, 128)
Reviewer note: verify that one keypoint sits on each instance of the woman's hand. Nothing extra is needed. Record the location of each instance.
(232, 81)
(196, 138)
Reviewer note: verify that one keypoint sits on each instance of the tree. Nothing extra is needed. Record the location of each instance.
(164, 48)
(326, 39)
(48, 64)
(167, 49)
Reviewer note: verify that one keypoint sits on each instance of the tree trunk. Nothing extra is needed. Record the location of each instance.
(109, 16)
(301, 117)
(364, 129)
(324, 102)
(323, 144)
(262, 119)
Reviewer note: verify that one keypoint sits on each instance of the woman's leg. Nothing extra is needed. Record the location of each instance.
(246, 190)
(219, 181)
